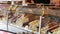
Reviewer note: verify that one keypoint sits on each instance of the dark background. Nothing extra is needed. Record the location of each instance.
(40, 1)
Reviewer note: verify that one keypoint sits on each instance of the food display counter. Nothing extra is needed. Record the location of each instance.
(32, 20)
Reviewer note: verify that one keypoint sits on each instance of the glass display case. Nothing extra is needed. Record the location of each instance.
(32, 19)
(25, 18)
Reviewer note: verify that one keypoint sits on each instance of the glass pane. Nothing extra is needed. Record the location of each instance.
(3, 19)
(51, 21)
(25, 20)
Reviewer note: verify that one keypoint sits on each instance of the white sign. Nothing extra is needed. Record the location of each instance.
(10, 0)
